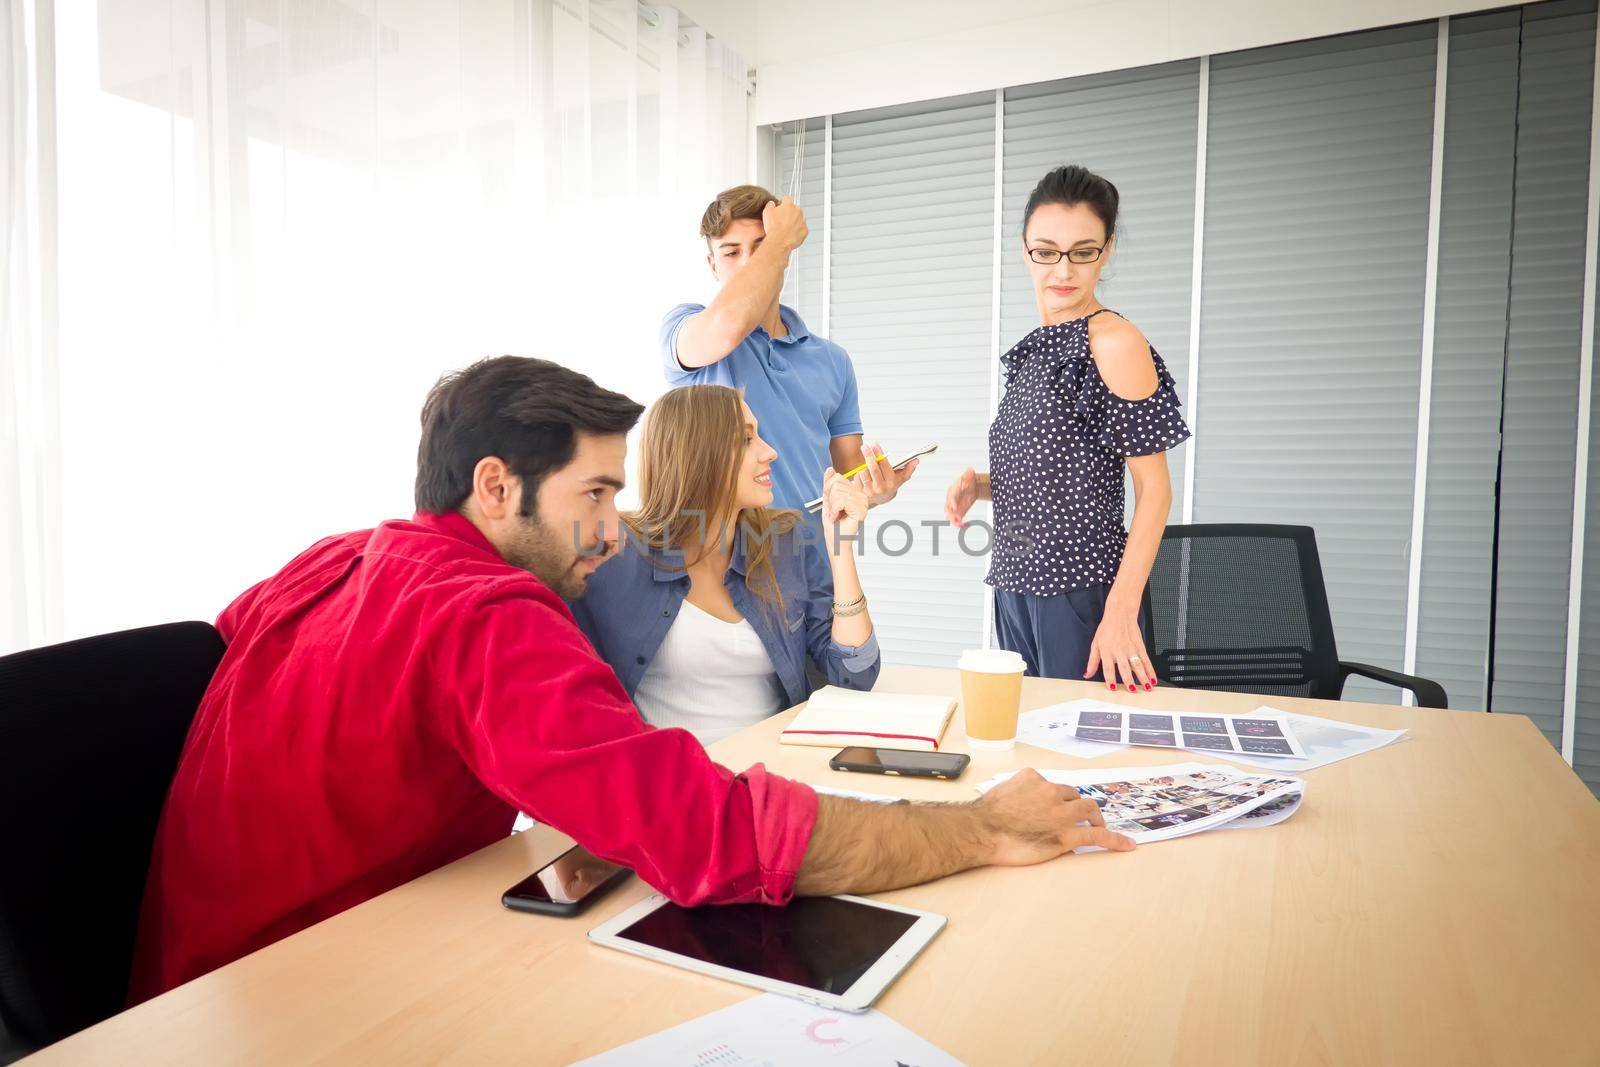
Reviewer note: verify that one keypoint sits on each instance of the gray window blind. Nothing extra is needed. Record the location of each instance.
(912, 273)
(1469, 355)
(1316, 228)
(1538, 462)
(1311, 322)
(1546, 302)
(798, 173)
(1586, 736)
(1136, 128)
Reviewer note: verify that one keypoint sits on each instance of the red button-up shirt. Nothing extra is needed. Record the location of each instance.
(386, 703)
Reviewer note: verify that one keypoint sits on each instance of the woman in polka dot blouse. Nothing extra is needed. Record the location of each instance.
(1085, 393)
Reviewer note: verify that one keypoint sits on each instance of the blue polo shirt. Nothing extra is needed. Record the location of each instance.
(801, 387)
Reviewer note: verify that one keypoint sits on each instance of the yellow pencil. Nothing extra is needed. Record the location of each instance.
(816, 504)
(853, 471)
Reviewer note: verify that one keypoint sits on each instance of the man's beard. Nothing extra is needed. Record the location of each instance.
(550, 556)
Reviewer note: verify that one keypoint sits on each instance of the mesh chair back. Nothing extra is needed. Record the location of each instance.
(90, 734)
(1243, 607)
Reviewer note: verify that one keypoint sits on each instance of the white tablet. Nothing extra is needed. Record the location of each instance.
(838, 952)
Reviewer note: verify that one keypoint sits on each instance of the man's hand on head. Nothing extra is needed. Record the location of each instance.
(784, 224)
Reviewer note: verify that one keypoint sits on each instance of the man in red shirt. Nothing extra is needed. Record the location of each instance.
(392, 697)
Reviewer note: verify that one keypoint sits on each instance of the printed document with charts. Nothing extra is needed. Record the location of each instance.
(1283, 742)
(1079, 724)
(1158, 803)
(836, 718)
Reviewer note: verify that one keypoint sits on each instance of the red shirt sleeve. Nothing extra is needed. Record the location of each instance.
(232, 617)
(544, 723)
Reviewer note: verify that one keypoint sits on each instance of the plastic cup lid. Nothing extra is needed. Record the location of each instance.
(992, 661)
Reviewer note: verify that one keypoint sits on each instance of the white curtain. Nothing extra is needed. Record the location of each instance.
(282, 220)
(30, 501)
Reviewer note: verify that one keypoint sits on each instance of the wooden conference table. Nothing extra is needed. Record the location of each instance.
(1437, 901)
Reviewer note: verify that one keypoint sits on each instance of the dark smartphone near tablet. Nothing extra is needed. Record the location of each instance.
(899, 761)
(566, 885)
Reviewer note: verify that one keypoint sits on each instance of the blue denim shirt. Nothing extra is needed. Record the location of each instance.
(632, 603)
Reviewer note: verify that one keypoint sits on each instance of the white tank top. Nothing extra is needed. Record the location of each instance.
(712, 678)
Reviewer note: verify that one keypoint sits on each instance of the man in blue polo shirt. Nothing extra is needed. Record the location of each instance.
(801, 387)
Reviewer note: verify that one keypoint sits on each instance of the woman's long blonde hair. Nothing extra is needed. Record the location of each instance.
(688, 480)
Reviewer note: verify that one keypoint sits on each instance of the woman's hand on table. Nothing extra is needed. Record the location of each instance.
(1118, 647)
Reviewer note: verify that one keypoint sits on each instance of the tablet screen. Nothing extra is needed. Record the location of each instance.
(822, 943)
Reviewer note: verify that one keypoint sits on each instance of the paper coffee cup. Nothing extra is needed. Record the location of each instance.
(991, 694)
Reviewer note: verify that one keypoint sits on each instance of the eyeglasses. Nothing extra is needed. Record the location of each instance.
(1052, 256)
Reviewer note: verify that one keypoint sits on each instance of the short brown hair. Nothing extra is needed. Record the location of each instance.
(740, 202)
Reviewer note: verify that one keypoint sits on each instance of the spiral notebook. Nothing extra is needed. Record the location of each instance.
(836, 717)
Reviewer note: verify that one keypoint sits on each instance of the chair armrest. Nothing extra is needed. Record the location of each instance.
(1429, 694)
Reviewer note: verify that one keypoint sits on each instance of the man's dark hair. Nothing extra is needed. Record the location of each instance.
(528, 412)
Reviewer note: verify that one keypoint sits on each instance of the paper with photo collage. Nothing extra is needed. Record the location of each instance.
(1253, 735)
(1160, 803)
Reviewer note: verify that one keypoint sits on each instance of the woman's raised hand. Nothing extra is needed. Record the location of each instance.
(963, 493)
(881, 480)
(844, 504)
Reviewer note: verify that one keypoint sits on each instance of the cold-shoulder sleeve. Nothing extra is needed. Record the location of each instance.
(1127, 427)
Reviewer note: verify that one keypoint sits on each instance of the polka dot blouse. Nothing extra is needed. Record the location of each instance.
(1056, 451)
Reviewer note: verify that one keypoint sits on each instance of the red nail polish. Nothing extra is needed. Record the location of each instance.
(1149, 686)
(1111, 686)
(1132, 688)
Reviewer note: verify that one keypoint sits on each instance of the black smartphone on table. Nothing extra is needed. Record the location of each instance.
(900, 761)
(566, 885)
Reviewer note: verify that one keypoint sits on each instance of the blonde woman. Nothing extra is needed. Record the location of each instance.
(715, 601)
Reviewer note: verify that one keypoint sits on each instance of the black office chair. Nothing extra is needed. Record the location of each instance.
(90, 733)
(1243, 607)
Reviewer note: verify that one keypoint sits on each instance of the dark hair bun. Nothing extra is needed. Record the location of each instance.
(1073, 184)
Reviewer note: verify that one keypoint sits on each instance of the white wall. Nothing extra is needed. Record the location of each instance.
(830, 56)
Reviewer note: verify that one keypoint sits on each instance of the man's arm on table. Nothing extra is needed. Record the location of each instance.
(744, 301)
(861, 847)
(544, 723)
